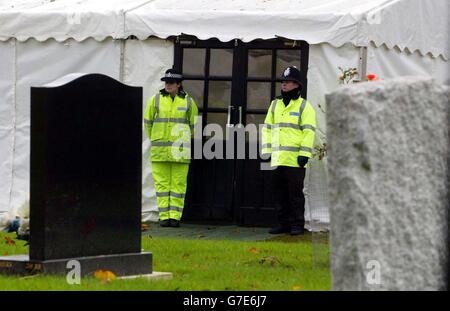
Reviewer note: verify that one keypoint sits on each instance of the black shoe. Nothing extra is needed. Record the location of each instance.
(174, 223)
(279, 230)
(297, 230)
(164, 223)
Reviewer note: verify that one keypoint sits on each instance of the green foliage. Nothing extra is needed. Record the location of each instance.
(320, 151)
(347, 75)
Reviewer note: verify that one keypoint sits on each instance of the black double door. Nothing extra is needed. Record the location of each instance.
(233, 84)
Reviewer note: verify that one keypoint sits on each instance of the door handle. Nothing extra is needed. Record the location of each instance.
(240, 116)
(229, 116)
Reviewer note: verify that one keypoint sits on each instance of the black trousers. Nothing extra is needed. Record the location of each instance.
(289, 197)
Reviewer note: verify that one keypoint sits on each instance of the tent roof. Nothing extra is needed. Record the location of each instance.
(421, 25)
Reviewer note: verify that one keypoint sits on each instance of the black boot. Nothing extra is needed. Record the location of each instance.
(174, 223)
(280, 229)
(164, 223)
(297, 230)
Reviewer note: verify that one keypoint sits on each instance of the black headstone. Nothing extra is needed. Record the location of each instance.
(85, 174)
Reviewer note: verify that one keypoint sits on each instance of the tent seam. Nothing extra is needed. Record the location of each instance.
(13, 120)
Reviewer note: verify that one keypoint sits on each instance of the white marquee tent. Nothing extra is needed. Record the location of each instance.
(42, 40)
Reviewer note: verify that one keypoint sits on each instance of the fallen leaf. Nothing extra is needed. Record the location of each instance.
(238, 275)
(98, 274)
(296, 287)
(9, 241)
(104, 276)
(253, 250)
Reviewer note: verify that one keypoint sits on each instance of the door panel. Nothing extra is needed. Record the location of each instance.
(210, 186)
(210, 181)
(254, 196)
(221, 62)
(259, 63)
(254, 200)
(196, 90)
(219, 94)
(196, 63)
(258, 95)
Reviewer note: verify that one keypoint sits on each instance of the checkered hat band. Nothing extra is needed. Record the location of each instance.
(173, 76)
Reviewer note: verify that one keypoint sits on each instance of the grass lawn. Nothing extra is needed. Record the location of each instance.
(283, 263)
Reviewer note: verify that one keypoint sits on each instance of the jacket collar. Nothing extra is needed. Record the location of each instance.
(292, 95)
(281, 97)
(181, 94)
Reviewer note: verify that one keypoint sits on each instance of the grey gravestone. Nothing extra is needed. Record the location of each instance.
(389, 185)
(85, 178)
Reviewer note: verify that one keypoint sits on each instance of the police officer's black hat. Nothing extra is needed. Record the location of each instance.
(291, 73)
(172, 75)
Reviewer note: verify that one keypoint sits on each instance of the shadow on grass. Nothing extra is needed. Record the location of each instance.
(315, 237)
(230, 232)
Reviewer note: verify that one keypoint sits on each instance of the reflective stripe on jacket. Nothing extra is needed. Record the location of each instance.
(169, 124)
(289, 132)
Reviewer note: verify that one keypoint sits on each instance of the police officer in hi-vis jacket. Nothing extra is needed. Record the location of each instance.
(169, 121)
(288, 136)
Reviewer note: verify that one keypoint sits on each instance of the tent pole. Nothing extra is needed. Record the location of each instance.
(362, 64)
(122, 56)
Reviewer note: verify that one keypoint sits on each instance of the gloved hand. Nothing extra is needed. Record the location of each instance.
(301, 160)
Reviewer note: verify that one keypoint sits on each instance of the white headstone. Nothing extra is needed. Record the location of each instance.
(389, 184)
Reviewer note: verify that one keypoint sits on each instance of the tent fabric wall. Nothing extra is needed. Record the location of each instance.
(390, 63)
(323, 73)
(144, 64)
(59, 59)
(7, 102)
(323, 78)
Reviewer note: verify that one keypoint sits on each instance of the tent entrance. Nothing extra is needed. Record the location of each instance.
(233, 83)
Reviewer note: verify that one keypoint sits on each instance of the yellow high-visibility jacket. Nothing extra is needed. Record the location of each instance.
(169, 124)
(289, 132)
